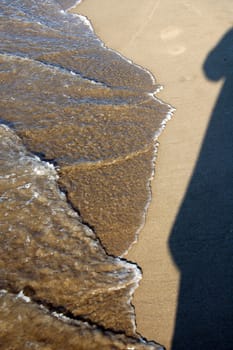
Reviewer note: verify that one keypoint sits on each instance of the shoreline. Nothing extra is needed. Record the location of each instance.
(163, 37)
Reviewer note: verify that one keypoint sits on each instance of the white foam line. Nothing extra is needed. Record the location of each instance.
(87, 22)
(61, 317)
(22, 296)
(78, 2)
(158, 132)
(132, 63)
(138, 274)
(84, 19)
(56, 68)
(137, 279)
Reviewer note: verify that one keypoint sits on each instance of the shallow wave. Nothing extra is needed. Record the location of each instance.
(78, 143)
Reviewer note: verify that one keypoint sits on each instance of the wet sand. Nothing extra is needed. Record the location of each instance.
(173, 40)
(67, 141)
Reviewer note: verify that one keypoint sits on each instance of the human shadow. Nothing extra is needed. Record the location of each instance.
(201, 241)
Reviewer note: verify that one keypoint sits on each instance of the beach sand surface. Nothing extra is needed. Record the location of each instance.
(173, 40)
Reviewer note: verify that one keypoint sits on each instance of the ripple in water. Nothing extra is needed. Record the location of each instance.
(78, 140)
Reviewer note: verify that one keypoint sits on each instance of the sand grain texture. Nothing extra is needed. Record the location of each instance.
(173, 39)
(25, 325)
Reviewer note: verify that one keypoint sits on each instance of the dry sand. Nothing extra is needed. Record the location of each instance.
(172, 39)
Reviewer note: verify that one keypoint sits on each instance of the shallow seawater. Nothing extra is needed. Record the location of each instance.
(79, 125)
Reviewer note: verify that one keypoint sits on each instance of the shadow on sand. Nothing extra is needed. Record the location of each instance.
(201, 241)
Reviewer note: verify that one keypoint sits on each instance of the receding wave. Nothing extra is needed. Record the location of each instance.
(78, 141)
